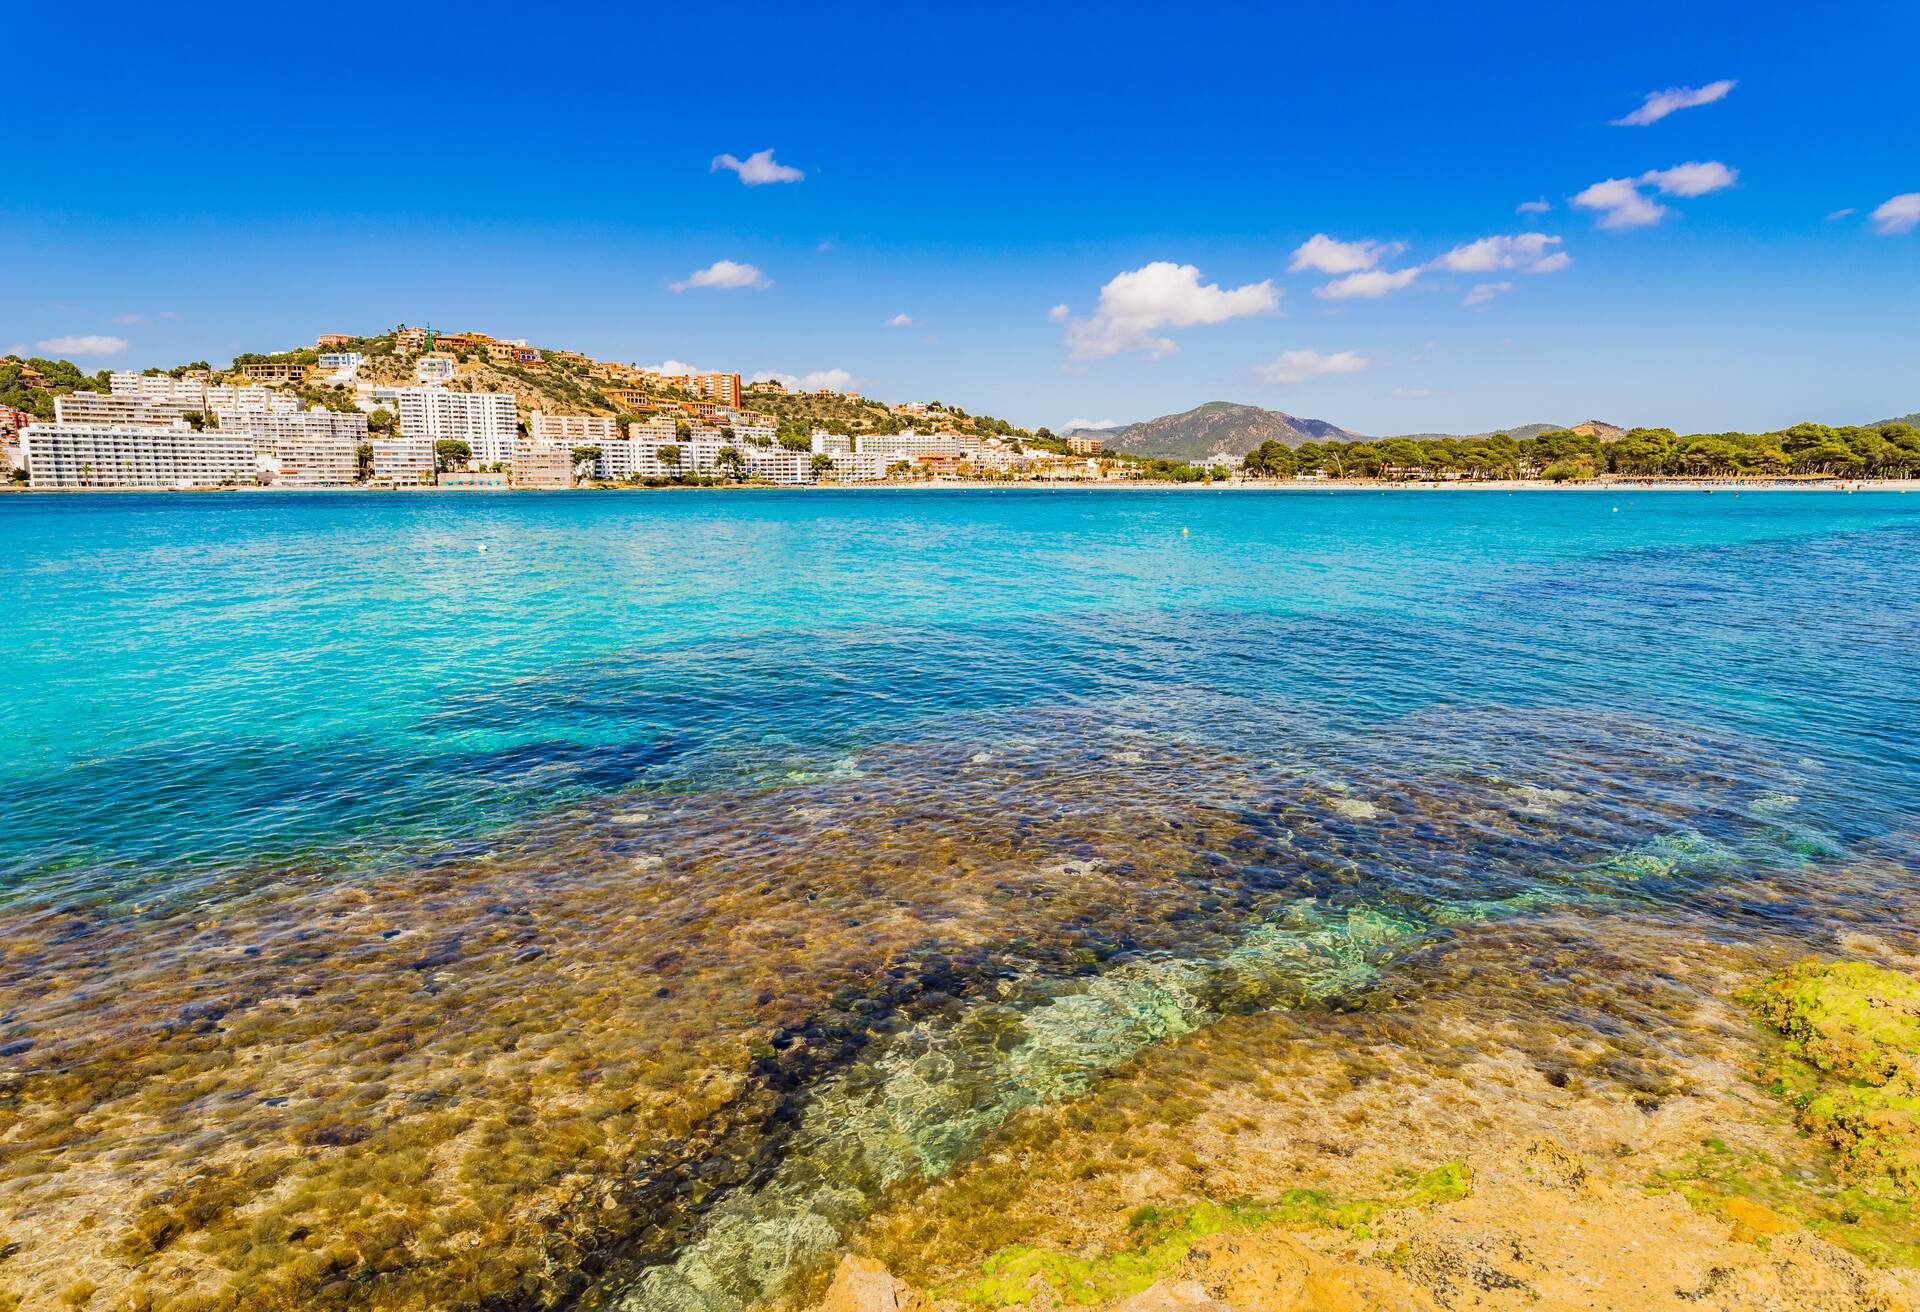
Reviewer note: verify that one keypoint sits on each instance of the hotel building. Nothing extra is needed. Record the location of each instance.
(270, 432)
(83, 455)
(403, 461)
(312, 460)
(573, 430)
(538, 464)
(721, 388)
(485, 421)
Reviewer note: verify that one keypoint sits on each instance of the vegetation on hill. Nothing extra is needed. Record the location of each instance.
(1218, 430)
(1868, 451)
(306, 355)
(554, 386)
(1518, 432)
(31, 385)
(802, 412)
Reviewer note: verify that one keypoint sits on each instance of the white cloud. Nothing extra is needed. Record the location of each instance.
(1623, 204)
(1521, 250)
(1368, 285)
(837, 379)
(1089, 425)
(1659, 104)
(1896, 216)
(1058, 314)
(1692, 179)
(1324, 254)
(1486, 291)
(1298, 366)
(675, 368)
(1540, 206)
(85, 344)
(1550, 264)
(1136, 305)
(128, 320)
(723, 274)
(900, 321)
(1839, 214)
(756, 169)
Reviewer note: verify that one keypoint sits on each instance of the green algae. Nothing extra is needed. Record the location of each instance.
(1851, 1064)
(1159, 1238)
(1847, 1066)
(1866, 1219)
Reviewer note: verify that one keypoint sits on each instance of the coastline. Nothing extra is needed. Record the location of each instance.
(1595, 485)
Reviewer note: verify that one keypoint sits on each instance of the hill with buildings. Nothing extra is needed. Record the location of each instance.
(1218, 430)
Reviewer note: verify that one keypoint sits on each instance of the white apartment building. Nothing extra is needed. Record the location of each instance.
(538, 464)
(403, 461)
(345, 365)
(198, 394)
(82, 455)
(855, 467)
(656, 428)
(269, 431)
(616, 461)
(776, 464)
(139, 400)
(485, 421)
(312, 460)
(118, 410)
(911, 446)
(435, 368)
(573, 430)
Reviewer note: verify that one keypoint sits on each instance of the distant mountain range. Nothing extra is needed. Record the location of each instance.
(1221, 429)
(1218, 429)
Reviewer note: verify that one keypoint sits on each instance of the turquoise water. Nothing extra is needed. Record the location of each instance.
(201, 682)
(602, 899)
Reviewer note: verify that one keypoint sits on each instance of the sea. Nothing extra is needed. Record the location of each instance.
(609, 899)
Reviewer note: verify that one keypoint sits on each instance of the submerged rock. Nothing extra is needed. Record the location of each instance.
(863, 1285)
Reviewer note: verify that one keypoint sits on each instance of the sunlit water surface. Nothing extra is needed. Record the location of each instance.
(602, 899)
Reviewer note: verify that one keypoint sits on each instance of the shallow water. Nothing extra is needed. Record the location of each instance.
(615, 915)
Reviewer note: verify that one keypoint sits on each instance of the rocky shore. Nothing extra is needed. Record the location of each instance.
(1782, 1179)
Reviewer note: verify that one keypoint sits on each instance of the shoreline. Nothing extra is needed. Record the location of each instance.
(1734, 485)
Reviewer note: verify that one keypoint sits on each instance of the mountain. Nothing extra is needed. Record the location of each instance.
(1519, 433)
(1599, 428)
(1913, 419)
(1218, 428)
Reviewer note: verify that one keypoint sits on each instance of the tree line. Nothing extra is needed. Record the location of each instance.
(1889, 450)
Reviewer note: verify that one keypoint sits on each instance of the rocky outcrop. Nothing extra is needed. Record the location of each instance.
(1542, 1231)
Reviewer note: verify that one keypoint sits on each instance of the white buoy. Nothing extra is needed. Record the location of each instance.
(479, 546)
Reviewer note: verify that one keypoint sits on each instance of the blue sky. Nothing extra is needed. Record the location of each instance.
(197, 181)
